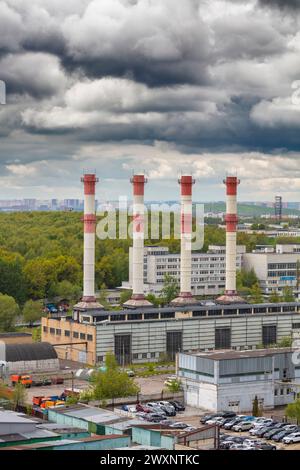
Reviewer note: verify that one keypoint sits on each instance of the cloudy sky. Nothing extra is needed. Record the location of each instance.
(164, 86)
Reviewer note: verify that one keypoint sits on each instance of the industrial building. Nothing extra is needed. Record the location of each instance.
(146, 334)
(208, 269)
(230, 380)
(275, 267)
(28, 357)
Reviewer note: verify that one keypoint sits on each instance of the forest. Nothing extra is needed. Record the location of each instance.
(41, 254)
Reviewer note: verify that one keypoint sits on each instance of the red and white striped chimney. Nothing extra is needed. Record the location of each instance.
(138, 297)
(231, 221)
(186, 182)
(89, 180)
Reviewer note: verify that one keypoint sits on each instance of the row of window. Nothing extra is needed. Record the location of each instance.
(67, 333)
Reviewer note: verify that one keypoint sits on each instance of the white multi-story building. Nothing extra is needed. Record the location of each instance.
(208, 269)
(275, 267)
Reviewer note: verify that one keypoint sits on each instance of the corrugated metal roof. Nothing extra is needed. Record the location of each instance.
(29, 352)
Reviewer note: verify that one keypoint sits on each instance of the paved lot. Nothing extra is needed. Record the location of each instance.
(154, 384)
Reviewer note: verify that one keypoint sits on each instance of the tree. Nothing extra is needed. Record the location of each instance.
(285, 342)
(293, 410)
(287, 294)
(32, 311)
(274, 297)
(174, 386)
(170, 289)
(256, 296)
(125, 295)
(66, 290)
(255, 407)
(103, 296)
(154, 300)
(9, 311)
(19, 396)
(113, 382)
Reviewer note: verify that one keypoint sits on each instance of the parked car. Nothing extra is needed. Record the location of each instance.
(228, 414)
(155, 417)
(233, 422)
(190, 429)
(242, 426)
(265, 446)
(167, 408)
(177, 405)
(143, 408)
(241, 447)
(179, 425)
(274, 430)
(218, 420)
(205, 418)
(291, 438)
(141, 415)
(281, 434)
(262, 431)
(155, 407)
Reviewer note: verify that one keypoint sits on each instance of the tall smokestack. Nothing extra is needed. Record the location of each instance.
(89, 180)
(186, 182)
(231, 221)
(138, 297)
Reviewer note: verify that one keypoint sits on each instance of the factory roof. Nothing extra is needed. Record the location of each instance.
(188, 308)
(29, 352)
(232, 354)
(15, 335)
(13, 417)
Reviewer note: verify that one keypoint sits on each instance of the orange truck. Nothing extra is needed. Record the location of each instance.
(25, 380)
(46, 402)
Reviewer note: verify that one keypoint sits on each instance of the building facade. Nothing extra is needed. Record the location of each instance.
(230, 380)
(275, 267)
(146, 335)
(208, 269)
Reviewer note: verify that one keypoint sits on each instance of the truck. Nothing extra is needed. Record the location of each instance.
(25, 380)
(45, 402)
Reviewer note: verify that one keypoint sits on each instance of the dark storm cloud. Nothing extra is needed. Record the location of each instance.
(284, 4)
(199, 75)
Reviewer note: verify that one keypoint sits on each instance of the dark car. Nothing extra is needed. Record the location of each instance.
(265, 446)
(177, 405)
(262, 431)
(274, 430)
(155, 417)
(228, 414)
(232, 423)
(225, 445)
(278, 437)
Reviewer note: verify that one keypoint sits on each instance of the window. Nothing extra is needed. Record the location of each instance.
(245, 311)
(52, 331)
(167, 315)
(90, 337)
(276, 392)
(295, 326)
(151, 316)
(100, 358)
(281, 391)
(45, 329)
(274, 309)
(230, 311)
(269, 334)
(67, 333)
(152, 355)
(117, 317)
(201, 313)
(58, 331)
(82, 335)
(135, 356)
(260, 310)
(134, 316)
(123, 349)
(222, 338)
(86, 319)
(174, 343)
(212, 313)
(75, 334)
(289, 309)
(144, 356)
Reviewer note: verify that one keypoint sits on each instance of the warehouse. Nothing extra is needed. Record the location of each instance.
(230, 380)
(28, 357)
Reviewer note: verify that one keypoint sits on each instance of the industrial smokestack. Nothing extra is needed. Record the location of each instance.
(138, 297)
(186, 182)
(231, 220)
(89, 180)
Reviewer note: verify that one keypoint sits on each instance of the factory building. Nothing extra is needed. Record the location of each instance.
(208, 269)
(230, 380)
(275, 267)
(146, 334)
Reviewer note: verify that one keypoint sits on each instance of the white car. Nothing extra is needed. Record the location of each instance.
(217, 420)
(291, 438)
(243, 426)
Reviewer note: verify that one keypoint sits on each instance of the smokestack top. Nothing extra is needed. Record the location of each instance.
(138, 182)
(231, 185)
(89, 180)
(186, 182)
